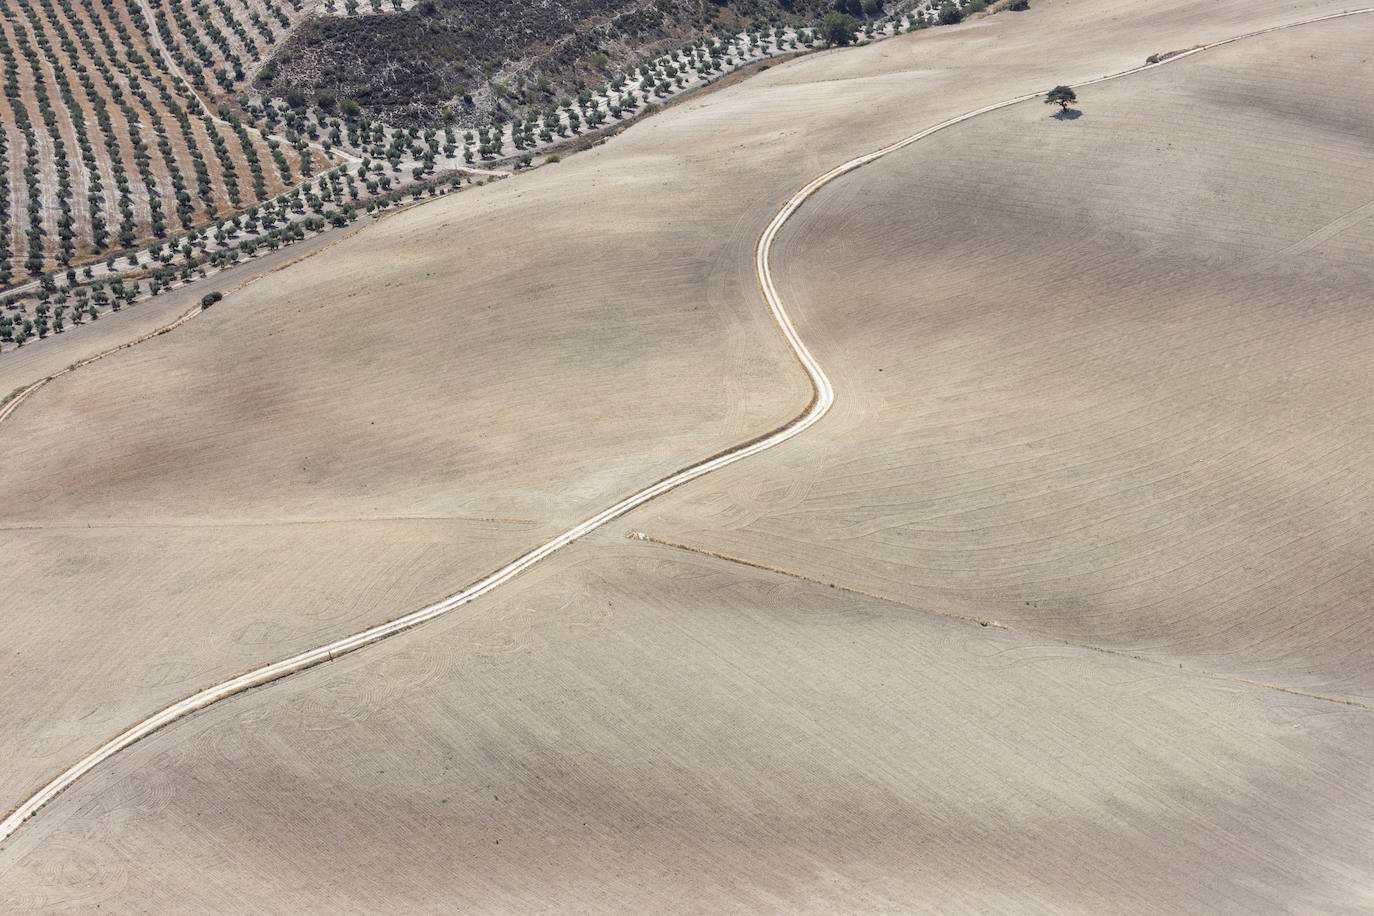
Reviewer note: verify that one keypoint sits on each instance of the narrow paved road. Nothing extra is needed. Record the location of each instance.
(823, 396)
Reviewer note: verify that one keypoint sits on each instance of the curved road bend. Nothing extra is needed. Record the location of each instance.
(823, 396)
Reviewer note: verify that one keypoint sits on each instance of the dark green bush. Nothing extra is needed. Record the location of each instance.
(838, 29)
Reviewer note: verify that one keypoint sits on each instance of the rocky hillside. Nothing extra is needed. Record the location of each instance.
(462, 60)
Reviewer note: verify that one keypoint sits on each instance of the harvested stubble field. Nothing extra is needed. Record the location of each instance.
(642, 727)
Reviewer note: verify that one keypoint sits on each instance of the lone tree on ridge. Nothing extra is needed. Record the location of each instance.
(1062, 96)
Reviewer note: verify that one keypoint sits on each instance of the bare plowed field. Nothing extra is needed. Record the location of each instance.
(633, 729)
(1106, 379)
(728, 737)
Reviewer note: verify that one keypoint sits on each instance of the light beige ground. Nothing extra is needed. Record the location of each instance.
(535, 349)
(633, 729)
(1106, 379)
(20, 366)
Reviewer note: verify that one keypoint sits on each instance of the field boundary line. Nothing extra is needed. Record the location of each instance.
(823, 397)
(1332, 229)
(778, 570)
(993, 624)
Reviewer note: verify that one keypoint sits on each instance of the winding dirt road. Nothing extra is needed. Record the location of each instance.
(823, 397)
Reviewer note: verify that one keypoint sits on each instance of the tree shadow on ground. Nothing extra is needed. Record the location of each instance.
(1068, 114)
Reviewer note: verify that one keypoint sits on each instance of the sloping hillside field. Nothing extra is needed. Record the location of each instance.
(634, 730)
(1108, 378)
(1062, 608)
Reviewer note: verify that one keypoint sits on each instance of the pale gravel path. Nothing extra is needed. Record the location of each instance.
(822, 398)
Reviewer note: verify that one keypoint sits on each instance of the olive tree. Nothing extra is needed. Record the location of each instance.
(838, 29)
(1062, 96)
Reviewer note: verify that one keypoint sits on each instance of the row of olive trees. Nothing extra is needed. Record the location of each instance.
(217, 40)
(198, 253)
(104, 164)
(352, 7)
